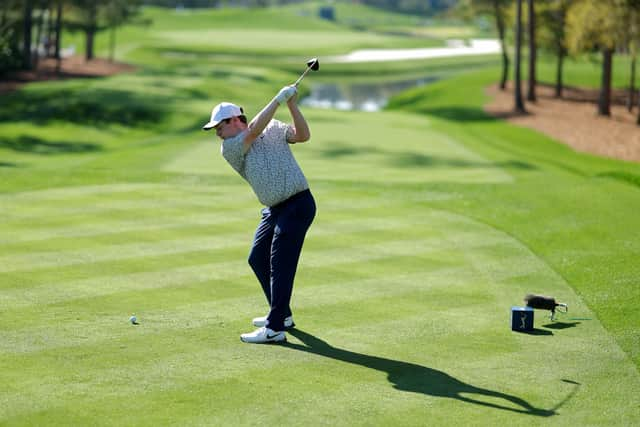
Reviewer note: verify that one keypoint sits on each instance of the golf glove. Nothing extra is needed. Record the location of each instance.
(285, 93)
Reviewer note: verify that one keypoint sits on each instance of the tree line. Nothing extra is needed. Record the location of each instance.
(30, 29)
(564, 27)
(420, 7)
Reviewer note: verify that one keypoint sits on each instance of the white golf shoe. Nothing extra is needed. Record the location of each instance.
(263, 335)
(259, 322)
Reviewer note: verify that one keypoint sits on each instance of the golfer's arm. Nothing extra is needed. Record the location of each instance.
(258, 123)
(301, 128)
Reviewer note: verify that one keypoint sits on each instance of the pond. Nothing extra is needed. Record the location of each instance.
(362, 97)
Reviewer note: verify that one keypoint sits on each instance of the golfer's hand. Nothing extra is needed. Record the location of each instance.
(293, 99)
(285, 94)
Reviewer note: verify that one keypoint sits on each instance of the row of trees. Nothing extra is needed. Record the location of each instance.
(33, 28)
(420, 7)
(190, 4)
(184, 3)
(30, 29)
(566, 27)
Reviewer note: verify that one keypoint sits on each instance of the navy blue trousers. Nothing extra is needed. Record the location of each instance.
(276, 250)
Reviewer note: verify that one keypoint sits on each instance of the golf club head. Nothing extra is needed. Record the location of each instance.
(314, 64)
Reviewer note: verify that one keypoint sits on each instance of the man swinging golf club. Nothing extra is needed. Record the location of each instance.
(259, 151)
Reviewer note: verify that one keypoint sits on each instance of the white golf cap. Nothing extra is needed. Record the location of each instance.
(224, 110)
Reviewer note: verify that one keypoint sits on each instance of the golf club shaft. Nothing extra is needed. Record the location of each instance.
(301, 77)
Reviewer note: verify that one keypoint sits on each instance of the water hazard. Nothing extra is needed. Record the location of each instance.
(362, 97)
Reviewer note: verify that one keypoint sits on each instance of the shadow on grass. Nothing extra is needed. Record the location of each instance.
(337, 150)
(448, 112)
(417, 379)
(415, 160)
(29, 144)
(561, 325)
(88, 106)
(8, 165)
(536, 331)
(459, 114)
(626, 177)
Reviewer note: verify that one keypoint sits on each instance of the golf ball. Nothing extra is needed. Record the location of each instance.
(133, 319)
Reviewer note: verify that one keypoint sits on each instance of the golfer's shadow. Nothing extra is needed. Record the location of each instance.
(415, 378)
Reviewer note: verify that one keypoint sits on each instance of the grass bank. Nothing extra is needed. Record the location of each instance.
(561, 206)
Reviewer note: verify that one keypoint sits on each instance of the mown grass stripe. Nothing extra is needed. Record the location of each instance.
(100, 193)
(82, 191)
(112, 234)
(52, 292)
(106, 286)
(133, 287)
(47, 259)
(100, 215)
(192, 272)
(33, 212)
(32, 261)
(226, 307)
(137, 226)
(348, 249)
(105, 220)
(43, 259)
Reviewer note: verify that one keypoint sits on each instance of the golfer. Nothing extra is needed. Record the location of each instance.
(259, 151)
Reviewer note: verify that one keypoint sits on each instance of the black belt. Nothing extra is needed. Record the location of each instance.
(296, 196)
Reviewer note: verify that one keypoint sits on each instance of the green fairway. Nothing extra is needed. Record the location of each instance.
(433, 220)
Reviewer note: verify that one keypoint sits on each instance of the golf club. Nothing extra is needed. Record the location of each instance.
(312, 64)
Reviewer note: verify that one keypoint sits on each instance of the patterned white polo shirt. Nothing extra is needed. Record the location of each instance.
(269, 166)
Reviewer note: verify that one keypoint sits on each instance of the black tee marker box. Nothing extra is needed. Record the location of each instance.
(521, 319)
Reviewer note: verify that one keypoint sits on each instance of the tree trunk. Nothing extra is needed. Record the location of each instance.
(90, 30)
(604, 101)
(501, 35)
(531, 93)
(519, 103)
(39, 25)
(3, 18)
(632, 84)
(26, 43)
(559, 83)
(638, 119)
(90, 35)
(57, 54)
(50, 29)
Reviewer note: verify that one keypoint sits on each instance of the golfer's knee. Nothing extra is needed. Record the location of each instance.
(255, 261)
